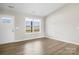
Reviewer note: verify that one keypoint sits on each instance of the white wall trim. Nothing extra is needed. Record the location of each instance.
(40, 37)
(22, 40)
(62, 40)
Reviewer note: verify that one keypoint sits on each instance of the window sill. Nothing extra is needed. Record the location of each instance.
(33, 33)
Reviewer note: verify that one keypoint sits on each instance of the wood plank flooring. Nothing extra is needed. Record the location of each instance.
(40, 46)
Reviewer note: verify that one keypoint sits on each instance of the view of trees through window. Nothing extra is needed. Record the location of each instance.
(32, 25)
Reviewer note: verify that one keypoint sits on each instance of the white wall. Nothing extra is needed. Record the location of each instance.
(63, 25)
(19, 22)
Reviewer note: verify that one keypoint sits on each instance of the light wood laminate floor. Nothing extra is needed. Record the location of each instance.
(40, 46)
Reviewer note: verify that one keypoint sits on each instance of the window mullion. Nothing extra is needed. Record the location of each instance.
(31, 26)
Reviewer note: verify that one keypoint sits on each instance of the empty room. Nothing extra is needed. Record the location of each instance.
(39, 28)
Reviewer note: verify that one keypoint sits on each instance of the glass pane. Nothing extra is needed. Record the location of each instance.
(36, 25)
(5, 20)
(28, 26)
(32, 25)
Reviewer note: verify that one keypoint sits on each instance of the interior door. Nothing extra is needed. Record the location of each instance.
(7, 30)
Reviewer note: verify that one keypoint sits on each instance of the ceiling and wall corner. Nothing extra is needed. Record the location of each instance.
(65, 5)
(36, 9)
(64, 24)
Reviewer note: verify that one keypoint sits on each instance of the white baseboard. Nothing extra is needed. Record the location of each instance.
(29, 38)
(76, 43)
(40, 37)
(21, 40)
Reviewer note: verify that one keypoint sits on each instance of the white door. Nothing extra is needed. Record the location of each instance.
(7, 30)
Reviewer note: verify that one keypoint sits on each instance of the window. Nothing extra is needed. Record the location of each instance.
(5, 20)
(32, 25)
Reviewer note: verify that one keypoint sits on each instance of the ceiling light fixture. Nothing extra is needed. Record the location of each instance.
(11, 6)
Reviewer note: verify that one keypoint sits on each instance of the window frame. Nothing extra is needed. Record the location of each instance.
(32, 19)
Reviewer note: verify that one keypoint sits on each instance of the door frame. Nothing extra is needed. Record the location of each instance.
(13, 17)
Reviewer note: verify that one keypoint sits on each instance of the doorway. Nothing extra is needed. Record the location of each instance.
(7, 29)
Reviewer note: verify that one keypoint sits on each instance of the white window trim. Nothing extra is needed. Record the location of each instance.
(33, 28)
